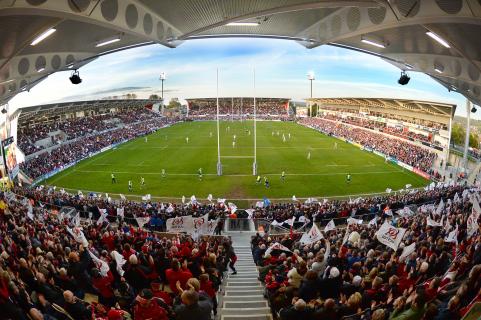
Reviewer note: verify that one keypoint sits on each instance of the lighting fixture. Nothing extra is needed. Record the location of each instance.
(438, 39)
(163, 76)
(4, 110)
(75, 77)
(408, 66)
(41, 69)
(107, 41)
(373, 42)
(243, 24)
(438, 70)
(404, 79)
(473, 109)
(43, 36)
(6, 81)
(310, 75)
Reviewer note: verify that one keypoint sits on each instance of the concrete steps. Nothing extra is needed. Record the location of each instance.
(243, 297)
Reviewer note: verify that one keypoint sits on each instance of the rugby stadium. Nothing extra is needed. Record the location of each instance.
(120, 202)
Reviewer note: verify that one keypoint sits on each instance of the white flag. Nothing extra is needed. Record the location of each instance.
(346, 236)
(100, 264)
(290, 221)
(432, 223)
(388, 190)
(353, 221)
(294, 198)
(407, 251)
(250, 213)
(276, 246)
(312, 236)
(472, 223)
(476, 209)
(103, 216)
(389, 235)
(408, 186)
(330, 226)
(120, 212)
(119, 261)
(232, 207)
(456, 198)
(147, 197)
(29, 210)
(170, 209)
(122, 197)
(220, 200)
(373, 222)
(141, 221)
(452, 236)
(79, 236)
(183, 199)
(260, 204)
(209, 197)
(440, 207)
(193, 199)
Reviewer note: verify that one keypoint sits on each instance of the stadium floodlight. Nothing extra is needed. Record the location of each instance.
(163, 76)
(43, 36)
(311, 76)
(438, 39)
(373, 42)
(75, 77)
(107, 41)
(243, 24)
(404, 79)
(41, 69)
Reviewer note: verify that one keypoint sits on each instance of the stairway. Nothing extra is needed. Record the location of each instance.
(243, 298)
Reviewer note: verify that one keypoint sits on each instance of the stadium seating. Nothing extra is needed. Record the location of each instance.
(51, 267)
(408, 153)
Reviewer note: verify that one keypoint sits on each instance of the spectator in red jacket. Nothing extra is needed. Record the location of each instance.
(103, 284)
(147, 308)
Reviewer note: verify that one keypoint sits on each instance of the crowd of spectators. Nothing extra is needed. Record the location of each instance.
(78, 127)
(264, 109)
(52, 268)
(71, 152)
(349, 274)
(401, 132)
(387, 115)
(406, 152)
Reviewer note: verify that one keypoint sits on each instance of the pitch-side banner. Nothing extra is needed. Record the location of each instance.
(390, 236)
(180, 224)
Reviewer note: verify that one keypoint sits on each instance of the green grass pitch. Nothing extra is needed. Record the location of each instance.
(323, 175)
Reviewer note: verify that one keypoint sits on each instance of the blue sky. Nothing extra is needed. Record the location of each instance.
(281, 71)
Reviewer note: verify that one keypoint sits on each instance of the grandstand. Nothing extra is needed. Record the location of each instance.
(238, 108)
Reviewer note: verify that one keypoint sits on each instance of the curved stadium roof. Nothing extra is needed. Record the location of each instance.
(402, 32)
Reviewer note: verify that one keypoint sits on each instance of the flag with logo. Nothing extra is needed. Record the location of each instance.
(141, 221)
(100, 264)
(452, 236)
(373, 222)
(78, 235)
(119, 261)
(103, 216)
(276, 246)
(330, 226)
(472, 223)
(312, 236)
(432, 223)
(353, 221)
(250, 213)
(407, 251)
(389, 235)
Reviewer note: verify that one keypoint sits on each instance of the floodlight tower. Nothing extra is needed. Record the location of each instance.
(311, 77)
(163, 76)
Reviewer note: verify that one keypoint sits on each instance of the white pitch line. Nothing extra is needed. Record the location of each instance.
(240, 175)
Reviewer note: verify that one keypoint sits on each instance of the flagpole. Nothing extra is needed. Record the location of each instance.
(254, 165)
(219, 164)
